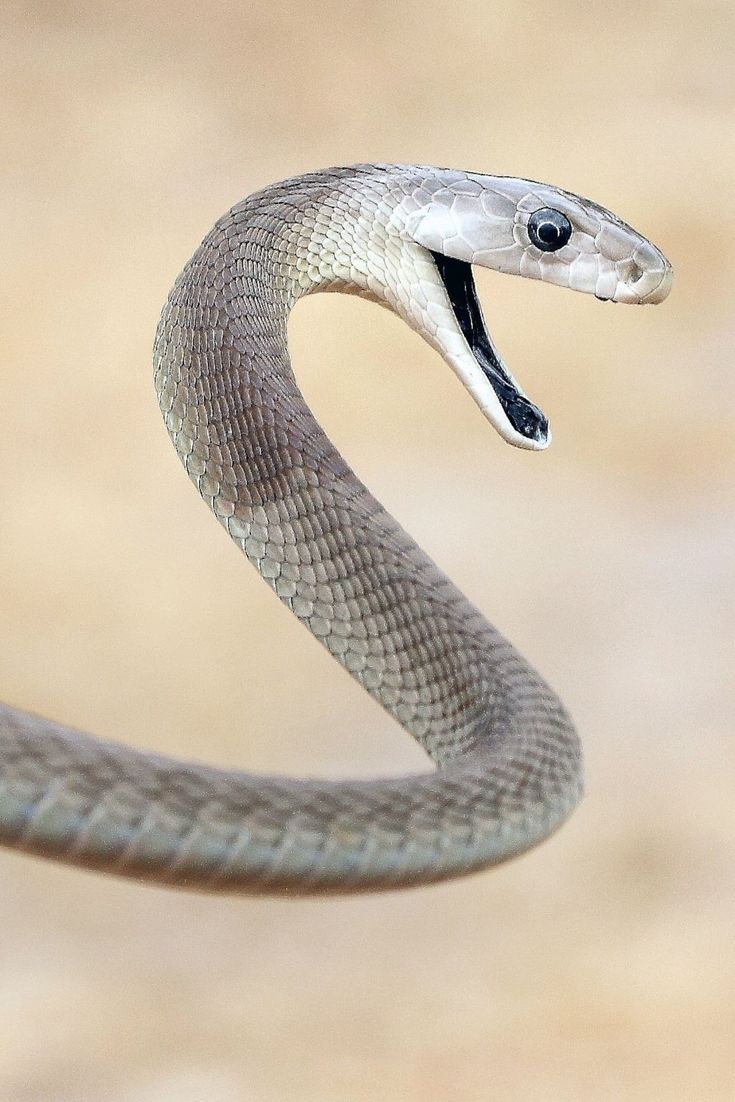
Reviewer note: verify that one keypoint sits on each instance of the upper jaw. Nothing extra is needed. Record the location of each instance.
(650, 286)
(644, 278)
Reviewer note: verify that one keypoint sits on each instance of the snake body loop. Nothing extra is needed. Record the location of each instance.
(508, 764)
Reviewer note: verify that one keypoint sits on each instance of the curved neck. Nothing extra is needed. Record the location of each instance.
(345, 568)
(262, 463)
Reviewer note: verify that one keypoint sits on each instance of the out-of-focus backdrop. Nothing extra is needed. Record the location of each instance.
(601, 966)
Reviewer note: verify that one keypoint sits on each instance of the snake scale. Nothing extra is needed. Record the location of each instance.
(507, 760)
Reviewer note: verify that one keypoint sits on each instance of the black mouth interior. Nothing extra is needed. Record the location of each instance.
(524, 416)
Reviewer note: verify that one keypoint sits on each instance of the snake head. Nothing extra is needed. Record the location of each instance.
(457, 219)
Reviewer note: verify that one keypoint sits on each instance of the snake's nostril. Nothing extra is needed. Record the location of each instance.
(662, 288)
(629, 272)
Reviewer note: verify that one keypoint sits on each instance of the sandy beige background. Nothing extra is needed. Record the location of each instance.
(602, 966)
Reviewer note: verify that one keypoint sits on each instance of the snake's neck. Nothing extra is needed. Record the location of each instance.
(285, 495)
(223, 374)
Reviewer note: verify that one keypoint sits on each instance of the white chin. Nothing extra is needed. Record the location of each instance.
(512, 436)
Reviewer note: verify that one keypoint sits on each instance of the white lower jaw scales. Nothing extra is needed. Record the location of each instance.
(528, 424)
(518, 440)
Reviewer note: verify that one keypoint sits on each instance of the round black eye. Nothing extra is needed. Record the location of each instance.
(549, 230)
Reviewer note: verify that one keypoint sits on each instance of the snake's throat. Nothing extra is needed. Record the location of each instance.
(526, 418)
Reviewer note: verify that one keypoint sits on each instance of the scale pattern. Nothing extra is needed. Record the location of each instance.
(508, 764)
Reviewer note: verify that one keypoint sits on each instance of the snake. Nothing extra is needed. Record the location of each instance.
(505, 763)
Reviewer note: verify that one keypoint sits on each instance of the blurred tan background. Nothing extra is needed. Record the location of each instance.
(601, 966)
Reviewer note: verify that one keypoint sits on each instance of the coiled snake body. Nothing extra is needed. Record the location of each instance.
(508, 765)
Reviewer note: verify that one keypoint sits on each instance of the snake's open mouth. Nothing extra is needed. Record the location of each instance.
(526, 418)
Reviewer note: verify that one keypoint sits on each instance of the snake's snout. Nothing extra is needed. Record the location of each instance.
(645, 278)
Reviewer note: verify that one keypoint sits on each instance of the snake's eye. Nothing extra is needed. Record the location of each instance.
(549, 230)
